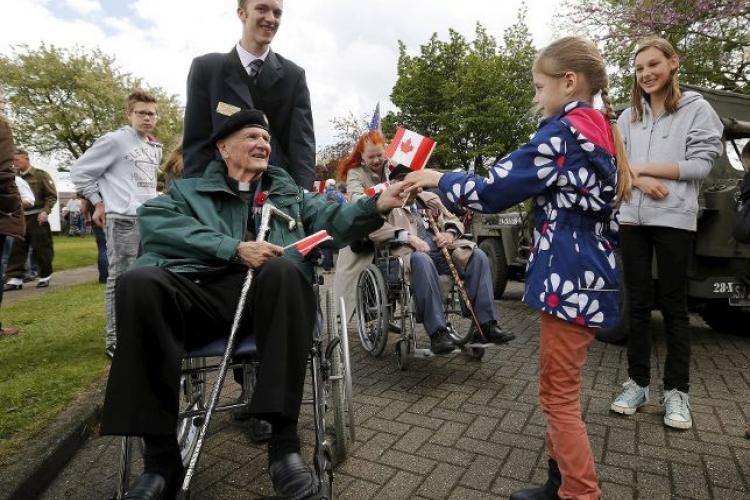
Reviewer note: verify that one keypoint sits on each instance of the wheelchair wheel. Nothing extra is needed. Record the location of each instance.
(476, 352)
(454, 317)
(372, 310)
(192, 398)
(403, 354)
(341, 380)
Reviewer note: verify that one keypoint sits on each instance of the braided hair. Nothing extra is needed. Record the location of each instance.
(580, 55)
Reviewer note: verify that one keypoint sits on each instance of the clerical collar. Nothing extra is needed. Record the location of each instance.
(246, 57)
(242, 187)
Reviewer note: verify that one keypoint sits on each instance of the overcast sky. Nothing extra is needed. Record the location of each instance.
(347, 47)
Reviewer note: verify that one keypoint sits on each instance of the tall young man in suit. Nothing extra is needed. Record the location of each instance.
(251, 76)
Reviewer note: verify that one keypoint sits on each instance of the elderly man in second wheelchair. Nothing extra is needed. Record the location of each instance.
(198, 243)
(409, 229)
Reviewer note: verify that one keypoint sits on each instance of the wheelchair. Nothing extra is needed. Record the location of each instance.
(385, 304)
(330, 370)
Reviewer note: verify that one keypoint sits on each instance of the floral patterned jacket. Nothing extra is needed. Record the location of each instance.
(568, 169)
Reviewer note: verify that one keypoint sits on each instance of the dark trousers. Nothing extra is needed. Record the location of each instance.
(161, 314)
(425, 282)
(39, 237)
(673, 248)
(101, 253)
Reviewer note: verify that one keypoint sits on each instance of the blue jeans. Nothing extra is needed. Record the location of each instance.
(123, 239)
(101, 255)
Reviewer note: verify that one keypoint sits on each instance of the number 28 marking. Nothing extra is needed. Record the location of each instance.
(724, 287)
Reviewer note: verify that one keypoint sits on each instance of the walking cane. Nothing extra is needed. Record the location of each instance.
(267, 212)
(457, 278)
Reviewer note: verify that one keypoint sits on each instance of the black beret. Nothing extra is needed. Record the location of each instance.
(241, 119)
(398, 172)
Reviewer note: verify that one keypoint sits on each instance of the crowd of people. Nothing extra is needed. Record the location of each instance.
(176, 262)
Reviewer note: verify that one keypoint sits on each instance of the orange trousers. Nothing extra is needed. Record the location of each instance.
(562, 356)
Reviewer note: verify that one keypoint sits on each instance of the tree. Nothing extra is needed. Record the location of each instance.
(62, 100)
(348, 129)
(473, 98)
(712, 36)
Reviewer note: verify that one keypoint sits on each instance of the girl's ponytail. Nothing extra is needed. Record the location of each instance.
(624, 174)
(580, 55)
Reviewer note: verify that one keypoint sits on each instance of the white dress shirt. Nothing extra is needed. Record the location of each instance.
(246, 57)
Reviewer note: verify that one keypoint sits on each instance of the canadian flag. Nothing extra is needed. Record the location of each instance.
(319, 187)
(377, 188)
(305, 245)
(410, 149)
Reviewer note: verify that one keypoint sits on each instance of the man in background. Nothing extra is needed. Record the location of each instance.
(38, 233)
(251, 76)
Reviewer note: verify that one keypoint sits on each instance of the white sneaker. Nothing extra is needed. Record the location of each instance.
(632, 397)
(677, 410)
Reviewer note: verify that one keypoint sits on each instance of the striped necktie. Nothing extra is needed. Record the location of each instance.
(253, 69)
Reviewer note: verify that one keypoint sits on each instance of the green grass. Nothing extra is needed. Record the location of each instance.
(58, 353)
(74, 251)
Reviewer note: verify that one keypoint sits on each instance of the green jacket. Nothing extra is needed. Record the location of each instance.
(199, 223)
(43, 187)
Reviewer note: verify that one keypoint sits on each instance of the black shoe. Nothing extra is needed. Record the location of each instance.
(546, 492)
(614, 336)
(43, 284)
(10, 288)
(496, 334)
(148, 486)
(441, 342)
(292, 479)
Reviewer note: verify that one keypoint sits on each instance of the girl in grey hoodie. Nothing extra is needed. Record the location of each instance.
(672, 140)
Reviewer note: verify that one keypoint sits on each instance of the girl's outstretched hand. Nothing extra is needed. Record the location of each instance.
(421, 179)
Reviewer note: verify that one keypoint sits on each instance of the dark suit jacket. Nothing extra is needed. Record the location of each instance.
(280, 91)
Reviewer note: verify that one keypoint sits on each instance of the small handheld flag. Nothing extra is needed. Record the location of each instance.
(305, 245)
(410, 149)
(377, 188)
(375, 122)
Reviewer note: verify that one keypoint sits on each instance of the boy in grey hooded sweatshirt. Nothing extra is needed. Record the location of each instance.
(117, 174)
(672, 140)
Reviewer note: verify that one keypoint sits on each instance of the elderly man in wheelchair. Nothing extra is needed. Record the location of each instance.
(198, 243)
(410, 235)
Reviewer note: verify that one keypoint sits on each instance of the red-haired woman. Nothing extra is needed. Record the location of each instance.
(363, 168)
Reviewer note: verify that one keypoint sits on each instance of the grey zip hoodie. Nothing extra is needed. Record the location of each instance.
(690, 137)
(120, 169)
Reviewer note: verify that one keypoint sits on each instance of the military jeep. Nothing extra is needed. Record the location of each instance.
(506, 239)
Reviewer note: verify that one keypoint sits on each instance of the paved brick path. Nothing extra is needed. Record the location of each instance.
(452, 427)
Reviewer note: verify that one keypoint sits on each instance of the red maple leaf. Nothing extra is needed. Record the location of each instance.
(406, 146)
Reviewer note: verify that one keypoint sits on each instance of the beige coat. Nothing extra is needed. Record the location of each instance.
(349, 265)
(404, 219)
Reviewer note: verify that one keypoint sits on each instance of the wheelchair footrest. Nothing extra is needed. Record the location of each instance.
(426, 353)
(479, 345)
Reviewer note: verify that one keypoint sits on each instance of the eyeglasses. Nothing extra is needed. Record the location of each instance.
(146, 114)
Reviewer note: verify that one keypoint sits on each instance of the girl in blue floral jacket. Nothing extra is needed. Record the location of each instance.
(575, 171)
